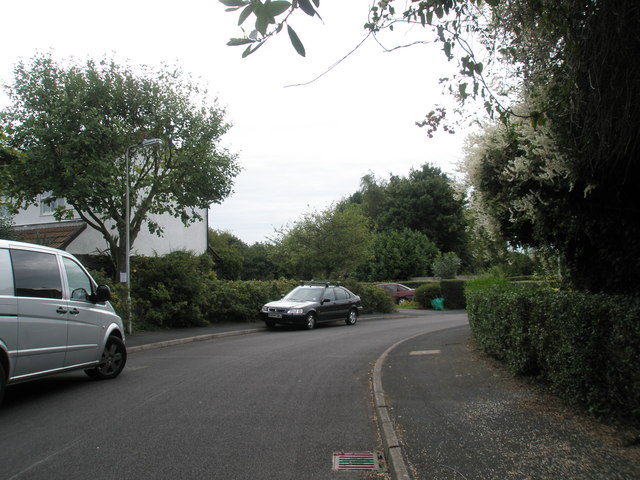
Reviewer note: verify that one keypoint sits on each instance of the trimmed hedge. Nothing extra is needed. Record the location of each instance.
(427, 292)
(585, 346)
(453, 294)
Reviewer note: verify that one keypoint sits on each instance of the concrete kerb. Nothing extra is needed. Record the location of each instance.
(197, 338)
(393, 448)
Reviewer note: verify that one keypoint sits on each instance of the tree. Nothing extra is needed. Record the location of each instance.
(324, 245)
(424, 201)
(399, 255)
(231, 251)
(74, 125)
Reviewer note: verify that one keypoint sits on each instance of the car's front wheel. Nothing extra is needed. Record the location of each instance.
(270, 323)
(352, 318)
(112, 362)
(310, 321)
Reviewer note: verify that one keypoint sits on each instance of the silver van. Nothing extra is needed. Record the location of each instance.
(54, 318)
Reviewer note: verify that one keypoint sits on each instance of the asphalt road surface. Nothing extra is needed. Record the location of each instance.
(271, 405)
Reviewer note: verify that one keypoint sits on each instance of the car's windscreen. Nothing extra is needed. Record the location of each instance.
(305, 294)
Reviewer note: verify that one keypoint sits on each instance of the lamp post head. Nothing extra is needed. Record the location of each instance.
(151, 141)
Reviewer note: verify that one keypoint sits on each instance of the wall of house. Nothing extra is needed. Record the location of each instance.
(176, 236)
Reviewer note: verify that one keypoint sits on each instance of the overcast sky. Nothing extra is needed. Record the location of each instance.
(301, 148)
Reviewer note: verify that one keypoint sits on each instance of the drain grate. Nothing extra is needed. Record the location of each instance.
(356, 461)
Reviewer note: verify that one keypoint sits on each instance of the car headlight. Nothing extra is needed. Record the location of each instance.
(265, 309)
(295, 311)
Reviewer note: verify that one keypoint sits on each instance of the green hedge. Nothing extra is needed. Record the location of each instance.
(585, 346)
(242, 300)
(374, 298)
(453, 294)
(181, 290)
(427, 292)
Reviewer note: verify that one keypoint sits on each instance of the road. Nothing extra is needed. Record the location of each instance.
(271, 405)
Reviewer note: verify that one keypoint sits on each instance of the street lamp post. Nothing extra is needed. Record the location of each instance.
(127, 214)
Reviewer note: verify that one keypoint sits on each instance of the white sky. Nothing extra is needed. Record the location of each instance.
(300, 148)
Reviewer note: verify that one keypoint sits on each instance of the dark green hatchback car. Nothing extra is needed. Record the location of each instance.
(313, 303)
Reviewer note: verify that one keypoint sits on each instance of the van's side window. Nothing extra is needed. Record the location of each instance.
(6, 276)
(79, 283)
(36, 274)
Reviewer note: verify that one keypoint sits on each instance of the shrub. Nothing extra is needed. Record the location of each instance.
(242, 300)
(171, 291)
(427, 292)
(374, 298)
(446, 265)
(586, 346)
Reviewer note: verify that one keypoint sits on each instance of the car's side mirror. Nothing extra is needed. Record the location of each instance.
(326, 300)
(103, 293)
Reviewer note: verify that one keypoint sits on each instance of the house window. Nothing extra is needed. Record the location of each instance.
(48, 207)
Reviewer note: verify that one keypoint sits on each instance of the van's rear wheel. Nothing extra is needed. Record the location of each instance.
(112, 362)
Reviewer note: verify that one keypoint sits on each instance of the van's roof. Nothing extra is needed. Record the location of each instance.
(30, 246)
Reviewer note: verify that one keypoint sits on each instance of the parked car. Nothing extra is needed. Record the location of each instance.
(313, 303)
(54, 317)
(399, 292)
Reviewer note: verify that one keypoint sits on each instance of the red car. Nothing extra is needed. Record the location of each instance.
(399, 292)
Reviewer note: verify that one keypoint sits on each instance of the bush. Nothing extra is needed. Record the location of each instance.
(585, 346)
(374, 298)
(242, 300)
(427, 292)
(172, 291)
(446, 265)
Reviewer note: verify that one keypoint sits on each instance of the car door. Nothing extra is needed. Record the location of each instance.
(8, 310)
(327, 305)
(342, 302)
(85, 320)
(42, 312)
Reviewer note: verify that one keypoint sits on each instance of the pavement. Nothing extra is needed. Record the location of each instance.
(448, 412)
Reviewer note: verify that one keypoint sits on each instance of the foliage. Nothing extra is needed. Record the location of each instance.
(242, 300)
(231, 251)
(446, 265)
(424, 201)
(6, 226)
(561, 172)
(265, 26)
(585, 346)
(484, 283)
(450, 21)
(327, 244)
(258, 265)
(398, 255)
(76, 124)
(427, 292)
(173, 290)
(453, 294)
(374, 298)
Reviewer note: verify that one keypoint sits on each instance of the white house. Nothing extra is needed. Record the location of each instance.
(37, 224)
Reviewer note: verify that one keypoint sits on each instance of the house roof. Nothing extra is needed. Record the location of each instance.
(57, 235)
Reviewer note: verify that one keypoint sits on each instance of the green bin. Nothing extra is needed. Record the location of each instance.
(437, 303)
